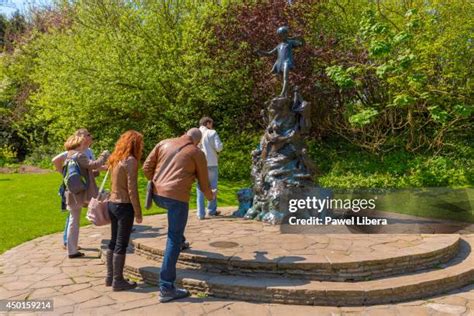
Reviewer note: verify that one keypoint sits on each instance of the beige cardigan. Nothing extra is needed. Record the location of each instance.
(75, 201)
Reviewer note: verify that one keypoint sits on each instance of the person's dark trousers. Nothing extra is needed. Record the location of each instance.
(121, 217)
(177, 220)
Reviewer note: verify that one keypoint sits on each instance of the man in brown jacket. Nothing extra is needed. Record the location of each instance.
(173, 166)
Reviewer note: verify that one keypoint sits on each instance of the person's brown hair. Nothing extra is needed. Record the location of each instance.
(74, 141)
(205, 120)
(82, 132)
(130, 143)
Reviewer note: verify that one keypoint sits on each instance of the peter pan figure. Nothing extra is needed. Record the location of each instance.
(284, 61)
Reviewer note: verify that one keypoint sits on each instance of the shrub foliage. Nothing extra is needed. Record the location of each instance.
(387, 76)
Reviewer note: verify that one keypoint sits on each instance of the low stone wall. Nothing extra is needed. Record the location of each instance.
(337, 271)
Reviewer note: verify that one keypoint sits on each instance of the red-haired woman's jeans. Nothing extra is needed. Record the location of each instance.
(121, 218)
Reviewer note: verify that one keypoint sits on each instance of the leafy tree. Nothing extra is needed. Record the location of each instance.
(414, 87)
(126, 65)
(391, 77)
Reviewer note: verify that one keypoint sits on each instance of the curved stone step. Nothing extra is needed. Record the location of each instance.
(433, 251)
(459, 272)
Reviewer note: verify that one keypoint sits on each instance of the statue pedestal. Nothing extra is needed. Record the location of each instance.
(245, 260)
(281, 168)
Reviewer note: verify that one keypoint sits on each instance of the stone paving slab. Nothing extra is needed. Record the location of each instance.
(77, 288)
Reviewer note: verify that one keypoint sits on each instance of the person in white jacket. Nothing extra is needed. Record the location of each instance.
(211, 145)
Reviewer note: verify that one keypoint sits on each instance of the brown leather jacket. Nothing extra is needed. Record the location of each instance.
(176, 179)
(125, 184)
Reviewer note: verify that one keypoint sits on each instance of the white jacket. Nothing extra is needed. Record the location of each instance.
(211, 145)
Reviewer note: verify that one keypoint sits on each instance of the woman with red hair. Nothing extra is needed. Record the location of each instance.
(124, 205)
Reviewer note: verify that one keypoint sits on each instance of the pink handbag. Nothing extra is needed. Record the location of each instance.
(97, 211)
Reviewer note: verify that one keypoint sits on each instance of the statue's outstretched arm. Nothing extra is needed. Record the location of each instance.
(266, 53)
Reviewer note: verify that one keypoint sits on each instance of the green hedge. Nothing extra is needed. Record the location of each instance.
(343, 165)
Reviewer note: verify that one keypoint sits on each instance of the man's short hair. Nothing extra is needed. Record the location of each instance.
(205, 120)
(195, 134)
(82, 131)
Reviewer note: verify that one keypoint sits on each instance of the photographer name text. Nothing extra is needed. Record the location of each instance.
(362, 220)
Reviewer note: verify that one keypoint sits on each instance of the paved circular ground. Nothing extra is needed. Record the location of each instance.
(226, 237)
(39, 269)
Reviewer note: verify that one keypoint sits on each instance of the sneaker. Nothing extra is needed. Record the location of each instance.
(217, 213)
(76, 255)
(172, 294)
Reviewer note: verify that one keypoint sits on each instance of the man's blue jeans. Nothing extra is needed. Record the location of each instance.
(211, 205)
(65, 230)
(177, 219)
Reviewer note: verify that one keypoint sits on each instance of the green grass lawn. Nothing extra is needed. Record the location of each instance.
(30, 206)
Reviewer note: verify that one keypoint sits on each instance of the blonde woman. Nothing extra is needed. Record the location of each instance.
(76, 146)
(58, 162)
